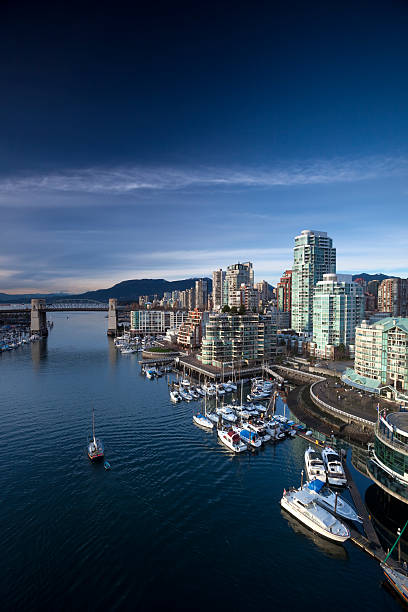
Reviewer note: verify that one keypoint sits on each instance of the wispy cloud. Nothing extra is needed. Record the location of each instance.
(133, 179)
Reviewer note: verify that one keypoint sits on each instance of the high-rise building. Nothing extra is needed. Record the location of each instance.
(284, 292)
(393, 297)
(191, 331)
(372, 287)
(201, 294)
(218, 289)
(245, 338)
(190, 299)
(314, 256)
(263, 291)
(237, 275)
(338, 308)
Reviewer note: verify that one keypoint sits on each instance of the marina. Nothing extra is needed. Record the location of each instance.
(180, 475)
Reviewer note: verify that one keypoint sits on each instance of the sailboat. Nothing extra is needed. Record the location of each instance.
(95, 446)
(201, 419)
(397, 578)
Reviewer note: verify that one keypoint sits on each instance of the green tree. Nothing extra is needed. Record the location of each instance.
(234, 310)
(242, 310)
(226, 308)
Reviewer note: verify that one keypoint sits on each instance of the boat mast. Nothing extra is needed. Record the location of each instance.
(93, 425)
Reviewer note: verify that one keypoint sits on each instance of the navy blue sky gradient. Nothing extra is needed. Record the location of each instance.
(170, 140)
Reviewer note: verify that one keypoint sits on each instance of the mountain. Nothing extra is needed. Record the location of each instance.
(369, 277)
(130, 290)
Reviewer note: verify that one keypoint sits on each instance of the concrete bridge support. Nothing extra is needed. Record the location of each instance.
(39, 317)
(112, 317)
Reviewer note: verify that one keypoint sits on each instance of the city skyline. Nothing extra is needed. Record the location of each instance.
(168, 143)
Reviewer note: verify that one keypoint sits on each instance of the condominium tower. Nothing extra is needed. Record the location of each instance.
(237, 275)
(218, 288)
(338, 308)
(314, 256)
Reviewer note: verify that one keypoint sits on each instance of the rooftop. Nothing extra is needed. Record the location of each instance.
(399, 420)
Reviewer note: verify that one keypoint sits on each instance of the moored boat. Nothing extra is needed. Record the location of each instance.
(232, 440)
(334, 468)
(303, 507)
(314, 465)
(326, 498)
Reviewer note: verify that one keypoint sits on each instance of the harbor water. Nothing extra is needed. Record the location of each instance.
(178, 521)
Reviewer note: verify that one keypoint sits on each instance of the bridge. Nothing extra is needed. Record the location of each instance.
(39, 308)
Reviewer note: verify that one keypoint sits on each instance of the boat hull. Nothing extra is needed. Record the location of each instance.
(394, 579)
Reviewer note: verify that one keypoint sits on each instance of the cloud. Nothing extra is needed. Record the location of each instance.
(133, 179)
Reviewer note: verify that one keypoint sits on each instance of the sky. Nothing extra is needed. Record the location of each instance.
(169, 140)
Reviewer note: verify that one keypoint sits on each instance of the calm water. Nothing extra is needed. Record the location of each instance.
(177, 521)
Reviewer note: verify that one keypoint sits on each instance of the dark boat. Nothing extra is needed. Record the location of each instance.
(95, 446)
(396, 577)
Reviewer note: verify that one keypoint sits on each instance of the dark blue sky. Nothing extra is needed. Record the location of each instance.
(168, 140)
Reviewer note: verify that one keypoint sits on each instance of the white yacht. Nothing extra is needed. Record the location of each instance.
(314, 465)
(334, 468)
(232, 385)
(185, 382)
(175, 396)
(301, 505)
(232, 440)
(227, 413)
(326, 498)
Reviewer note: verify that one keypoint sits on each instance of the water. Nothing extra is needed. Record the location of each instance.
(177, 521)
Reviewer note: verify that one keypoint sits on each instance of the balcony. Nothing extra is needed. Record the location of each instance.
(394, 443)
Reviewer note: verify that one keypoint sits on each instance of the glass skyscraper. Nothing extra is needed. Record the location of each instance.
(314, 256)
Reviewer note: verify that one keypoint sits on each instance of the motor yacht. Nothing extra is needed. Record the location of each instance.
(185, 395)
(227, 413)
(232, 440)
(314, 465)
(334, 468)
(302, 505)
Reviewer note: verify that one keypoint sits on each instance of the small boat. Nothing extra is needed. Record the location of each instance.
(203, 421)
(107, 465)
(232, 440)
(200, 391)
(150, 373)
(186, 396)
(334, 469)
(314, 465)
(227, 413)
(95, 446)
(185, 382)
(175, 396)
(302, 506)
(250, 438)
(326, 498)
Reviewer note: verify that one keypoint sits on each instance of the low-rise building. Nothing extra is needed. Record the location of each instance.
(193, 328)
(381, 359)
(154, 322)
(249, 338)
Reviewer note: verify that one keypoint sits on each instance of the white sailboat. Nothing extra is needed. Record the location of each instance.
(95, 447)
(201, 419)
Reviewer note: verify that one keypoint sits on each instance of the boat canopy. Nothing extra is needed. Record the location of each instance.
(316, 485)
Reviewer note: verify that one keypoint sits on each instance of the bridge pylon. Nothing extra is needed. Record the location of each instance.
(39, 317)
(112, 317)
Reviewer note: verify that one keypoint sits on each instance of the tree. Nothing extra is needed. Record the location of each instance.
(242, 310)
(234, 310)
(226, 308)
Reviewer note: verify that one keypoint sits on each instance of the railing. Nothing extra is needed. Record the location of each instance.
(348, 415)
(394, 442)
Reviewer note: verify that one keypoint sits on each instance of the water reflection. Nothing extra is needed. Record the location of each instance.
(388, 514)
(331, 549)
(113, 353)
(39, 351)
